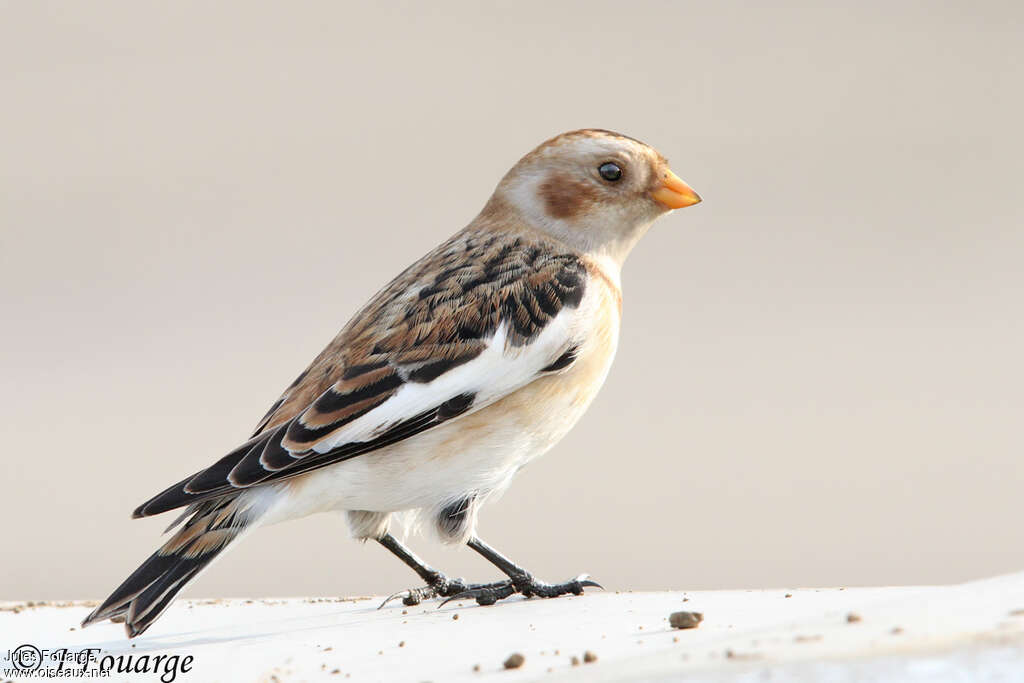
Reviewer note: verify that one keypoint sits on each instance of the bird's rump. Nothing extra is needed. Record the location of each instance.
(478, 317)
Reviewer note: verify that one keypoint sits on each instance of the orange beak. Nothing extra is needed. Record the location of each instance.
(674, 193)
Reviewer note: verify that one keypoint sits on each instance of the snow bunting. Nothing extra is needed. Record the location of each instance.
(473, 361)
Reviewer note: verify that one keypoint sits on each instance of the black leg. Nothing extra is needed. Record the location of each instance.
(519, 581)
(438, 585)
(426, 572)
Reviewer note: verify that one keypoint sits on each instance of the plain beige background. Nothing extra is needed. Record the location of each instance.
(820, 375)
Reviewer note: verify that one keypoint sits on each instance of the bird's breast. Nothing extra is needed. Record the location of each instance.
(547, 408)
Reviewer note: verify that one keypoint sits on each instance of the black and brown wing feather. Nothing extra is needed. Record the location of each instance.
(437, 315)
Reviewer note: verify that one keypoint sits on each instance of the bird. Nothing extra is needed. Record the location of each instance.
(472, 362)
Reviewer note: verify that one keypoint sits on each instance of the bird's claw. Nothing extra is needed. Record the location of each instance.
(486, 594)
(526, 586)
(410, 597)
(442, 586)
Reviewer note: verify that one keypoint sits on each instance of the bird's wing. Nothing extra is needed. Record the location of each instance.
(479, 317)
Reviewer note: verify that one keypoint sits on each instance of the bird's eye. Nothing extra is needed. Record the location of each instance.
(609, 171)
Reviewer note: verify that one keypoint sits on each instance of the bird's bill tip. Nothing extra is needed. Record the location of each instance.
(674, 193)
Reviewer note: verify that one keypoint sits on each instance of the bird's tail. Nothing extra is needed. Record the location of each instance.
(207, 528)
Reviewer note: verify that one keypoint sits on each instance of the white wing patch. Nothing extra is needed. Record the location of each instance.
(498, 371)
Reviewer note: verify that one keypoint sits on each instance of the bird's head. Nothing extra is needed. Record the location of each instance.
(596, 190)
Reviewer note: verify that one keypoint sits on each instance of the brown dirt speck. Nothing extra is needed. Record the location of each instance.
(852, 618)
(575, 660)
(685, 619)
(514, 661)
(455, 617)
(589, 657)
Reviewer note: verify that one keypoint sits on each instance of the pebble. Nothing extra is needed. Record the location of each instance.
(685, 619)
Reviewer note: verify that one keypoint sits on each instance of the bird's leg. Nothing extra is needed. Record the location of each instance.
(519, 581)
(438, 585)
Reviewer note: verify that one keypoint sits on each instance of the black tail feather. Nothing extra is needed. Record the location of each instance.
(152, 602)
(151, 588)
(149, 591)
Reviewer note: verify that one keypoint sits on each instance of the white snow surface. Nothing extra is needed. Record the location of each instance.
(968, 632)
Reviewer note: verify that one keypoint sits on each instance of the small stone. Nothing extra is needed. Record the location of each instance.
(589, 657)
(575, 660)
(852, 618)
(514, 661)
(788, 595)
(455, 617)
(685, 619)
(897, 630)
(401, 643)
(476, 667)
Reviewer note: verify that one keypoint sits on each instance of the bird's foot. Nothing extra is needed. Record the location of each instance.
(440, 586)
(524, 584)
